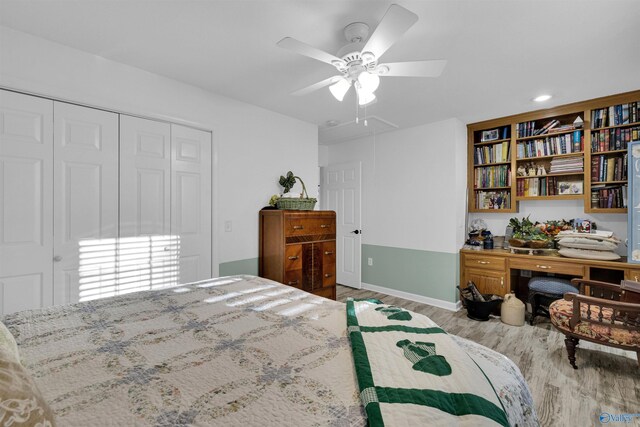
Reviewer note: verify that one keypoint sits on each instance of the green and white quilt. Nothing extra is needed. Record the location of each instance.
(411, 372)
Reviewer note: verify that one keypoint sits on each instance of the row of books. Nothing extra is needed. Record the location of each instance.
(533, 187)
(495, 153)
(551, 146)
(493, 200)
(613, 139)
(607, 197)
(526, 129)
(492, 176)
(567, 164)
(621, 114)
(607, 169)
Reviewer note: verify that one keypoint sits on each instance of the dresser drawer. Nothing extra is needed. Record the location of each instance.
(293, 278)
(486, 262)
(299, 226)
(293, 257)
(548, 266)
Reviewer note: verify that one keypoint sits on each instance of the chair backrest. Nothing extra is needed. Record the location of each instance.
(630, 291)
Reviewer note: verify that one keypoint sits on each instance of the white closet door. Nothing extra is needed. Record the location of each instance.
(191, 200)
(85, 197)
(26, 202)
(145, 177)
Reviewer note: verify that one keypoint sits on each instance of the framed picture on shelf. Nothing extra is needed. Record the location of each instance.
(489, 135)
(569, 187)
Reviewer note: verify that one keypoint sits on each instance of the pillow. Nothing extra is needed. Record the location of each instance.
(593, 244)
(583, 253)
(21, 404)
(8, 343)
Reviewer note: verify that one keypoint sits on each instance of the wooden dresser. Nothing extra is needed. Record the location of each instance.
(298, 248)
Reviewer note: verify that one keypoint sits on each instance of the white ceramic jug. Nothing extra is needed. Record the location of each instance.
(512, 311)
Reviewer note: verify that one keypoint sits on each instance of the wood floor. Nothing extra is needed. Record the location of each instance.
(607, 379)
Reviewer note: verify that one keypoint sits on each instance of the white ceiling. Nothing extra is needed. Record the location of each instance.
(501, 53)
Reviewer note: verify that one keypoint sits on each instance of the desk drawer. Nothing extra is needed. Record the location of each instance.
(548, 266)
(486, 262)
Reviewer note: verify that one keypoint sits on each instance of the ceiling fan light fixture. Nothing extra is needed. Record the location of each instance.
(369, 82)
(365, 97)
(339, 89)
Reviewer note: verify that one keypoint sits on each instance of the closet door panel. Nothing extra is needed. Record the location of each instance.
(191, 200)
(26, 202)
(85, 195)
(145, 177)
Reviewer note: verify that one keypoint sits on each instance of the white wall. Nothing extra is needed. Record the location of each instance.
(254, 146)
(413, 184)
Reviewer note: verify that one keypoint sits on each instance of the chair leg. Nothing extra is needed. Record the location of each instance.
(571, 344)
(534, 308)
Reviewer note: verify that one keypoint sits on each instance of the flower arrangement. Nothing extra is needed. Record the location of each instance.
(535, 235)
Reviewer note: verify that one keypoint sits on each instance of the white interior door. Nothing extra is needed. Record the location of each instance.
(147, 253)
(26, 202)
(341, 193)
(145, 177)
(191, 200)
(85, 192)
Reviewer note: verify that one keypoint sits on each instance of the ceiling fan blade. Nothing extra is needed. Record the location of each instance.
(413, 68)
(316, 86)
(306, 50)
(393, 25)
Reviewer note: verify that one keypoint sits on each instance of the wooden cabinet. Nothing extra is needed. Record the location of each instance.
(487, 281)
(298, 248)
(542, 155)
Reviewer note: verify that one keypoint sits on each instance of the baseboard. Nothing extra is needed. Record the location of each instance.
(451, 306)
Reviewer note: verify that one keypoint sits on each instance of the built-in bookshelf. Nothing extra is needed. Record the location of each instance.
(491, 176)
(550, 158)
(574, 151)
(613, 127)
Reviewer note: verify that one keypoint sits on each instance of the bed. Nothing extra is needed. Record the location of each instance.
(237, 350)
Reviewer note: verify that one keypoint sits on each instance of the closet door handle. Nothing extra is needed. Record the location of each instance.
(298, 227)
(293, 258)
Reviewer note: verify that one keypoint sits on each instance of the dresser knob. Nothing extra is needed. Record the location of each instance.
(331, 253)
(298, 227)
(295, 282)
(327, 275)
(292, 258)
(324, 226)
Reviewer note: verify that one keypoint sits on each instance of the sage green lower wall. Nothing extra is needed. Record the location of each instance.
(427, 273)
(242, 266)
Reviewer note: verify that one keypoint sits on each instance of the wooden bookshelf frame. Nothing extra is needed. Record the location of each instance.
(583, 108)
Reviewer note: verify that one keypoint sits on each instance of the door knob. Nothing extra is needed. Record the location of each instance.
(357, 231)
(57, 258)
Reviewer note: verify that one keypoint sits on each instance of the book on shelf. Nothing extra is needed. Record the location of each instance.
(609, 196)
(544, 129)
(615, 115)
(551, 145)
(494, 153)
(492, 176)
(605, 168)
(613, 139)
(567, 164)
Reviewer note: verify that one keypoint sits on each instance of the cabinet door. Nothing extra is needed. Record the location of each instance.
(311, 266)
(85, 200)
(26, 202)
(191, 201)
(487, 282)
(634, 275)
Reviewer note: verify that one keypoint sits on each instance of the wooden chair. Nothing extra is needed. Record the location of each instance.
(608, 315)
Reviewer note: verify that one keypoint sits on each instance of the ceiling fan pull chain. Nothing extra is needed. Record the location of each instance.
(365, 115)
(357, 102)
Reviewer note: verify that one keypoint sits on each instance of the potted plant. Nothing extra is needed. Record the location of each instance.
(304, 202)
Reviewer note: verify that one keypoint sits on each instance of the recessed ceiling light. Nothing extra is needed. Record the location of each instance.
(542, 98)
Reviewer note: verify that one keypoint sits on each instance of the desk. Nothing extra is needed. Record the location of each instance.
(495, 271)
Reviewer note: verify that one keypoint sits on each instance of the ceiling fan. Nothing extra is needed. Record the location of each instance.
(357, 62)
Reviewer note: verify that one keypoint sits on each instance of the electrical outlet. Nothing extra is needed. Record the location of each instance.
(227, 226)
(370, 261)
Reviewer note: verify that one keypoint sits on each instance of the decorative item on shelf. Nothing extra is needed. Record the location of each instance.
(303, 203)
(489, 135)
(578, 123)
